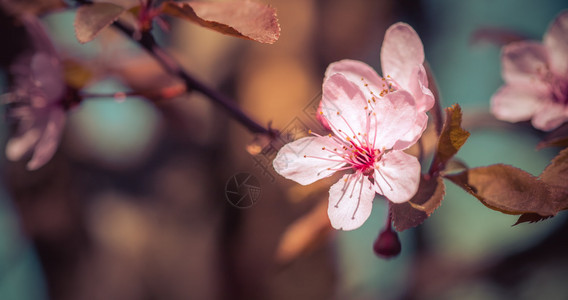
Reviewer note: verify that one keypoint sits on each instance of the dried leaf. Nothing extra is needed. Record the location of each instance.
(555, 175)
(92, 18)
(531, 218)
(556, 138)
(451, 140)
(507, 189)
(243, 19)
(304, 234)
(428, 198)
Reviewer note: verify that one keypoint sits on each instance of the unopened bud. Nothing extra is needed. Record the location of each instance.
(387, 244)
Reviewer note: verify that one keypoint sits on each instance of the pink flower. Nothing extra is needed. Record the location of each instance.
(536, 79)
(36, 100)
(372, 119)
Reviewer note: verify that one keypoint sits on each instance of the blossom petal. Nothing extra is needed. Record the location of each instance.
(319, 116)
(395, 116)
(514, 104)
(47, 144)
(291, 163)
(556, 41)
(401, 52)
(350, 201)
(522, 62)
(397, 176)
(414, 133)
(550, 116)
(418, 86)
(47, 73)
(344, 106)
(357, 72)
(19, 146)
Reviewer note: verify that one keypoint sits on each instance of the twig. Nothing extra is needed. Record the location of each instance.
(148, 42)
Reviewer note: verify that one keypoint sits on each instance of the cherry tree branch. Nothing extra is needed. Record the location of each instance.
(148, 42)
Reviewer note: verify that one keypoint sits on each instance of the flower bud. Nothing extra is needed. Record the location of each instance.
(387, 244)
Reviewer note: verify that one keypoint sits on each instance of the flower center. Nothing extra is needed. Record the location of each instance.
(557, 85)
(388, 86)
(363, 158)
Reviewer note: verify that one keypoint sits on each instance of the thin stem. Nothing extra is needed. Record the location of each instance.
(420, 150)
(388, 223)
(148, 42)
(117, 95)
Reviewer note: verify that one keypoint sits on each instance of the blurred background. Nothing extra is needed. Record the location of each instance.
(133, 205)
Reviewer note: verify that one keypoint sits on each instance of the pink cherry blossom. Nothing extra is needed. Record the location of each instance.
(536, 79)
(366, 139)
(35, 102)
(373, 119)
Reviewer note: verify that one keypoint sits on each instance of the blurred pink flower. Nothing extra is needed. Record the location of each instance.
(36, 100)
(536, 79)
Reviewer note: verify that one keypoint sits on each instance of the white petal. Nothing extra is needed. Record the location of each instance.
(19, 146)
(397, 176)
(401, 52)
(550, 116)
(350, 201)
(556, 41)
(514, 104)
(291, 163)
(359, 73)
(524, 63)
(343, 105)
(418, 86)
(395, 116)
(414, 134)
(47, 144)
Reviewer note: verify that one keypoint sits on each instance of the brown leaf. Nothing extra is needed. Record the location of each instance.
(531, 218)
(451, 140)
(556, 138)
(507, 189)
(243, 19)
(92, 18)
(304, 234)
(428, 198)
(555, 175)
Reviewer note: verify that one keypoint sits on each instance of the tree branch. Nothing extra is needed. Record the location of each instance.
(148, 42)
